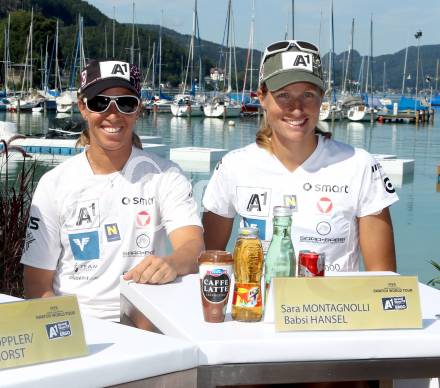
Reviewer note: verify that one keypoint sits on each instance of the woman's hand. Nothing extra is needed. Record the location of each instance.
(152, 270)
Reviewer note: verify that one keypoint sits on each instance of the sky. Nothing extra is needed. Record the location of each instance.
(394, 21)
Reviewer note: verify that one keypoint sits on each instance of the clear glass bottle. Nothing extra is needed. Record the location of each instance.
(280, 258)
(248, 257)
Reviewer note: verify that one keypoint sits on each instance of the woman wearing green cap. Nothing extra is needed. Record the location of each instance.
(338, 194)
(109, 211)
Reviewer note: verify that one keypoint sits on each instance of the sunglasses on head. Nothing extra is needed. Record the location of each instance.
(125, 104)
(285, 45)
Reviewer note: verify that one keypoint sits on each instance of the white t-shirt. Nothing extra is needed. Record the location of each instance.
(334, 186)
(92, 228)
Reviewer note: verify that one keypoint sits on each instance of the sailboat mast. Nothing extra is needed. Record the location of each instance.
(160, 51)
(113, 40)
(404, 70)
(293, 19)
(30, 38)
(229, 45)
(132, 39)
(57, 69)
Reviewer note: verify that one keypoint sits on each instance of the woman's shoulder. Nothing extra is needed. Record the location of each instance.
(335, 147)
(249, 152)
(149, 162)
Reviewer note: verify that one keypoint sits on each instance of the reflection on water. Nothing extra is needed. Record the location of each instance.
(415, 216)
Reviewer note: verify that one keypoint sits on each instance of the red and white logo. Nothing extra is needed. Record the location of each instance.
(325, 205)
(143, 219)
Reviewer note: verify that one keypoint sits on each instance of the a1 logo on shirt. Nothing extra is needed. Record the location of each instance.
(85, 216)
(253, 201)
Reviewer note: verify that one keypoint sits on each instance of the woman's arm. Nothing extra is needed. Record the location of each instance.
(217, 230)
(38, 283)
(376, 241)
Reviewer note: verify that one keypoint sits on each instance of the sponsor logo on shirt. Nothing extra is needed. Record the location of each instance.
(137, 201)
(29, 240)
(322, 240)
(33, 223)
(326, 188)
(325, 205)
(388, 185)
(85, 216)
(290, 201)
(323, 228)
(112, 232)
(137, 253)
(260, 224)
(253, 201)
(143, 241)
(58, 330)
(376, 167)
(143, 219)
(84, 246)
(84, 267)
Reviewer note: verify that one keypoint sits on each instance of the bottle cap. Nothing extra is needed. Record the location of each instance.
(248, 231)
(282, 211)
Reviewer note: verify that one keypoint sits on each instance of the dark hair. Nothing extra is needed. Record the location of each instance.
(263, 137)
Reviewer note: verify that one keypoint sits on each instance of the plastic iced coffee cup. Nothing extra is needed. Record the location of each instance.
(215, 269)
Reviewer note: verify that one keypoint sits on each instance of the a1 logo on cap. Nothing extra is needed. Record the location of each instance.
(115, 69)
(297, 60)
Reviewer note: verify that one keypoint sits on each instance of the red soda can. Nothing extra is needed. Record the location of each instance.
(311, 264)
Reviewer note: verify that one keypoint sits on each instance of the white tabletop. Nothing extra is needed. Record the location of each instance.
(118, 354)
(176, 310)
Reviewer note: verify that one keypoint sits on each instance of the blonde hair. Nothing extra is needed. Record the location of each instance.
(84, 138)
(263, 137)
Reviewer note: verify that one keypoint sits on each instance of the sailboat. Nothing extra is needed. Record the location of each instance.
(184, 104)
(67, 102)
(222, 105)
(364, 111)
(250, 103)
(32, 99)
(329, 109)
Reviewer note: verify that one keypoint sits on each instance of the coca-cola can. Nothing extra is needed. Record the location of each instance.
(311, 264)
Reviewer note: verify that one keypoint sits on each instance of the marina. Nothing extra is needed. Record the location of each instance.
(409, 153)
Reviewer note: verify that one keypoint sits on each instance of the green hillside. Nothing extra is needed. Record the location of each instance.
(98, 44)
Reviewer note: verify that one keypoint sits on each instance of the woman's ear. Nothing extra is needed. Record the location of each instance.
(82, 108)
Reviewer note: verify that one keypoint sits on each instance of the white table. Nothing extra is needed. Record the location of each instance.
(118, 354)
(249, 353)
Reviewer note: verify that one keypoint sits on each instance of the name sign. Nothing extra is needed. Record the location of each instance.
(40, 330)
(347, 303)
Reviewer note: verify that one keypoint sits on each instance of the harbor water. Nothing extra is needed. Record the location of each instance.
(416, 216)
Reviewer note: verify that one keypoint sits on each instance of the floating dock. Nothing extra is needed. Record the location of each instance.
(423, 116)
(67, 146)
(196, 159)
(395, 167)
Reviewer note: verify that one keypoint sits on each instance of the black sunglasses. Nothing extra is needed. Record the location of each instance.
(125, 104)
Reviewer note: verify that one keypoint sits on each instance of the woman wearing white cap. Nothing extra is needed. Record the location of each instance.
(338, 194)
(108, 211)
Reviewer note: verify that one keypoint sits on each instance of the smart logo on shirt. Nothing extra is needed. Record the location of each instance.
(260, 224)
(84, 246)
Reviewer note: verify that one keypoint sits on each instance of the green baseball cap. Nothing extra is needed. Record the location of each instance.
(289, 62)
